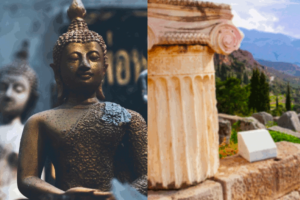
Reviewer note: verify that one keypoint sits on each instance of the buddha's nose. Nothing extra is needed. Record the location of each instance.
(9, 92)
(85, 64)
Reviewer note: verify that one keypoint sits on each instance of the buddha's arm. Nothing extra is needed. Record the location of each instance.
(137, 131)
(31, 161)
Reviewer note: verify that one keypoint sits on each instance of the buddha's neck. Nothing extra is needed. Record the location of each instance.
(81, 99)
(12, 121)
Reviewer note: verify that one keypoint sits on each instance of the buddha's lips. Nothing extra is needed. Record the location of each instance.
(85, 75)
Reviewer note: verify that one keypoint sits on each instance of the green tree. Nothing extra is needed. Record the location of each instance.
(264, 97)
(232, 98)
(288, 98)
(223, 74)
(217, 70)
(239, 76)
(276, 102)
(254, 99)
(246, 79)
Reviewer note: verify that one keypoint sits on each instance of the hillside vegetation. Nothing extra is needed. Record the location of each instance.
(233, 74)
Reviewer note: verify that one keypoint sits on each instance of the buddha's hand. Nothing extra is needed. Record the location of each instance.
(104, 195)
(87, 192)
(79, 190)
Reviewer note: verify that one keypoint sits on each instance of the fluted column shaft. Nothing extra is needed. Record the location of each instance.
(183, 124)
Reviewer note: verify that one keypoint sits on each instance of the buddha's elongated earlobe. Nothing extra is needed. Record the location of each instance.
(100, 94)
(59, 84)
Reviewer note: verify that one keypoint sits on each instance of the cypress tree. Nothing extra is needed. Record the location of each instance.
(288, 99)
(276, 102)
(223, 74)
(239, 76)
(254, 91)
(217, 70)
(246, 79)
(264, 98)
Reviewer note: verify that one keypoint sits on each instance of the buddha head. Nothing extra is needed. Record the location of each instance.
(18, 87)
(79, 56)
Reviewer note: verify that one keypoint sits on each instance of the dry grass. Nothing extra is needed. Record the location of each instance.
(226, 150)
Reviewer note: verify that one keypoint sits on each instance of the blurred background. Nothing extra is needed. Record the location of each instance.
(122, 24)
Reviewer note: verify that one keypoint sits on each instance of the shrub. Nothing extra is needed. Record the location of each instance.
(230, 149)
(270, 124)
(278, 137)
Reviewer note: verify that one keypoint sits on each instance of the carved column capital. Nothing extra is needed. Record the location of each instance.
(175, 22)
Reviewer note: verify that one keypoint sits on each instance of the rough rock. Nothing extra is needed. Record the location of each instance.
(291, 196)
(263, 117)
(299, 116)
(246, 124)
(250, 123)
(231, 118)
(269, 179)
(290, 121)
(284, 130)
(224, 130)
(207, 190)
(275, 119)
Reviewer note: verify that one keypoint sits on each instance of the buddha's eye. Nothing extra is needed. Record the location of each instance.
(19, 88)
(94, 56)
(74, 57)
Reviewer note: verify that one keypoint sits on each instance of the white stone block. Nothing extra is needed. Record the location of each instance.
(256, 145)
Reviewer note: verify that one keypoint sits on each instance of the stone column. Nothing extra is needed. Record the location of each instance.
(183, 123)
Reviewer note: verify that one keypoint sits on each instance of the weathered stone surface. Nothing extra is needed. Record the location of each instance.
(224, 130)
(291, 196)
(183, 140)
(267, 180)
(207, 190)
(275, 119)
(246, 124)
(231, 118)
(284, 130)
(290, 121)
(250, 123)
(172, 23)
(256, 145)
(263, 117)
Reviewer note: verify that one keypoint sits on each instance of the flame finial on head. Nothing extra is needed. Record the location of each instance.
(22, 54)
(76, 10)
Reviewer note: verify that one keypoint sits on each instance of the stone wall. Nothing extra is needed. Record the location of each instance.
(237, 179)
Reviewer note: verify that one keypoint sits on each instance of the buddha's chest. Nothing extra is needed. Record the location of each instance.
(85, 155)
(85, 130)
(88, 136)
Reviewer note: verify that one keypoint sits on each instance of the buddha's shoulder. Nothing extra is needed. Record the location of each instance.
(41, 117)
(135, 116)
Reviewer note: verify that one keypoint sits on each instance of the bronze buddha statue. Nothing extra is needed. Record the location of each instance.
(88, 141)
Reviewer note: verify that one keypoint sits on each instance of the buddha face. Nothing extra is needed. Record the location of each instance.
(14, 94)
(82, 66)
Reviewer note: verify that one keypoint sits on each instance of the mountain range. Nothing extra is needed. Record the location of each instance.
(271, 46)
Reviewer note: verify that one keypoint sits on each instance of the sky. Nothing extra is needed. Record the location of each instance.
(275, 16)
